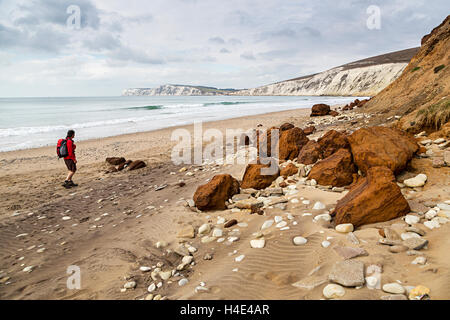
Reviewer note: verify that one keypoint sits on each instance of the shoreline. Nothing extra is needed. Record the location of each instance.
(154, 130)
(122, 145)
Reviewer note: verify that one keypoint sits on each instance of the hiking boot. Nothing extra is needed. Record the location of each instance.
(72, 184)
(67, 184)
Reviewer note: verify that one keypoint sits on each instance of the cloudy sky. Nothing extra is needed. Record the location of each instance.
(232, 43)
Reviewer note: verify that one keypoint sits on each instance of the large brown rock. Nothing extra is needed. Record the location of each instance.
(255, 180)
(290, 143)
(286, 126)
(115, 161)
(375, 198)
(310, 153)
(332, 141)
(336, 170)
(289, 170)
(135, 165)
(309, 130)
(382, 146)
(212, 196)
(318, 110)
(334, 113)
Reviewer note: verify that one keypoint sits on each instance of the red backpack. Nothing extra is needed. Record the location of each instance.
(61, 148)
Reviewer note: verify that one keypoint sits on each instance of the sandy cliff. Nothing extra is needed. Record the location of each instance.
(421, 93)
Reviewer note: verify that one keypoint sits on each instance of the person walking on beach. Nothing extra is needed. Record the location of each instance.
(70, 160)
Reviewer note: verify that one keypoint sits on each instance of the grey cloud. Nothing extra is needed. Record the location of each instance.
(132, 55)
(217, 40)
(225, 50)
(234, 41)
(41, 39)
(102, 41)
(248, 56)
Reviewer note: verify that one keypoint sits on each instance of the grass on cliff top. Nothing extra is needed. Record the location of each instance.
(435, 116)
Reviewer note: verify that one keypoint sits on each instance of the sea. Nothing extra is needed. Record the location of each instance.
(37, 122)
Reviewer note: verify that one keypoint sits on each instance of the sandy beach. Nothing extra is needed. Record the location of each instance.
(114, 224)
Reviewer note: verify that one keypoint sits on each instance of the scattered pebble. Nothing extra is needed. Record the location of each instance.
(258, 243)
(298, 241)
(394, 288)
(345, 228)
(333, 291)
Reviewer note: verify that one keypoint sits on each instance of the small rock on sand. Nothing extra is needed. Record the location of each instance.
(130, 285)
(417, 181)
(326, 244)
(415, 243)
(319, 206)
(419, 260)
(267, 224)
(394, 288)
(344, 228)
(333, 291)
(349, 273)
(258, 244)
(183, 282)
(349, 253)
(412, 219)
(298, 241)
(205, 228)
(186, 232)
(230, 223)
(398, 249)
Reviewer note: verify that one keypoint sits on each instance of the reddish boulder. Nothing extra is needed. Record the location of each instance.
(286, 126)
(255, 179)
(320, 110)
(382, 146)
(332, 141)
(212, 196)
(309, 130)
(289, 170)
(334, 113)
(123, 165)
(135, 165)
(290, 144)
(310, 153)
(115, 161)
(376, 198)
(337, 170)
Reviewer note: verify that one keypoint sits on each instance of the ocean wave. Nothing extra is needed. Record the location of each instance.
(228, 103)
(146, 108)
(23, 131)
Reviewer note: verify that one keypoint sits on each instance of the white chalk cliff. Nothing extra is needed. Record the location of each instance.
(365, 77)
(366, 81)
(176, 90)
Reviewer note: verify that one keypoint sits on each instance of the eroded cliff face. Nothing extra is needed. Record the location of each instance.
(365, 81)
(176, 90)
(421, 95)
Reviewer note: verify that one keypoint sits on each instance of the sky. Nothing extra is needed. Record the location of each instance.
(118, 44)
